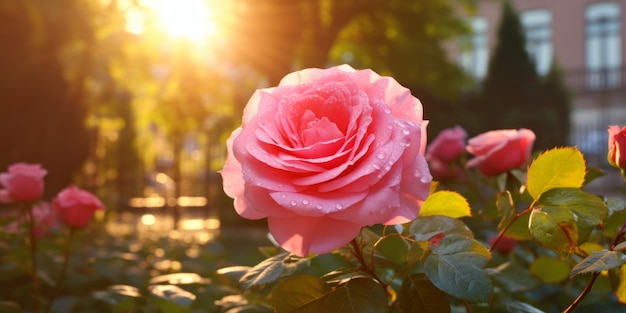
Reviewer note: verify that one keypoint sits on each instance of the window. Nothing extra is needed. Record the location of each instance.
(474, 56)
(538, 31)
(603, 45)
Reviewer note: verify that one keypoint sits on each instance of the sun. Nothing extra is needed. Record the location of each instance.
(187, 19)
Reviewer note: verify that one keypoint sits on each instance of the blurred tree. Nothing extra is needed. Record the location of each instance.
(514, 96)
(42, 109)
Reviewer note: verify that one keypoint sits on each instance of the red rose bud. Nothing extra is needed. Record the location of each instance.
(617, 148)
(76, 207)
(499, 151)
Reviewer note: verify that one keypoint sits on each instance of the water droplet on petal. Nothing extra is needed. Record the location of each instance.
(338, 206)
(305, 201)
(380, 156)
(293, 203)
(387, 111)
(424, 179)
(406, 131)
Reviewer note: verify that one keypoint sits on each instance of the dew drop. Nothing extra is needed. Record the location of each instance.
(318, 206)
(406, 131)
(424, 179)
(376, 166)
(338, 206)
(380, 156)
(387, 111)
(293, 203)
(390, 126)
(305, 202)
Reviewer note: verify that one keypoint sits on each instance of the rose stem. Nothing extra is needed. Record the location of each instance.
(68, 251)
(33, 253)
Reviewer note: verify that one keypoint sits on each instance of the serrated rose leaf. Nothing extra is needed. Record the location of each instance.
(556, 168)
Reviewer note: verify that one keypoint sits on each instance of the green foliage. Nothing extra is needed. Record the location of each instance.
(446, 203)
(456, 266)
(556, 168)
(563, 218)
(418, 294)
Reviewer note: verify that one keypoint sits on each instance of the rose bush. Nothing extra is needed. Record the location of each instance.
(22, 182)
(76, 207)
(617, 148)
(499, 151)
(325, 153)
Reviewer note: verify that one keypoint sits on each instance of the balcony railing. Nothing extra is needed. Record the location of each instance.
(596, 80)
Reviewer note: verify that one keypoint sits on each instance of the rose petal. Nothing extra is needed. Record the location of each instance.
(304, 234)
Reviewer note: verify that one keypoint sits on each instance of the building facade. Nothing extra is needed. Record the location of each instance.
(587, 39)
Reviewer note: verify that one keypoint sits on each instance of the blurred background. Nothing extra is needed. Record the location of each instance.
(134, 99)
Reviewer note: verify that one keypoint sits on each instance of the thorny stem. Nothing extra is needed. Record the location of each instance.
(584, 292)
(66, 261)
(508, 225)
(33, 253)
(359, 256)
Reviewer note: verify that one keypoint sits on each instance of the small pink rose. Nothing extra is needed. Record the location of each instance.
(499, 151)
(76, 207)
(448, 146)
(617, 147)
(22, 182)
(325, 153)
(444, 171)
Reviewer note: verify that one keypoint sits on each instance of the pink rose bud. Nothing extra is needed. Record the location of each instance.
(448, 146)
(23, 183)
(76, 207)
(617, 147)
(325, 153)
(499, 151)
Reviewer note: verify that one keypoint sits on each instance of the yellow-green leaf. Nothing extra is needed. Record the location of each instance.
(446, 203)
(556, 168)
(618, 283)
(550, 270)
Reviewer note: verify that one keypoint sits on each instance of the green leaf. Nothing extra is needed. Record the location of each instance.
(267, 271)
(298, 291)
(425, 227)
(122, 297)
(550, 270)
(598, 262)
(563, 218)
(393, 248)
(173, 298)
(446, 203)
(514, 277)
(456, 267)
(617, 277)
(506, 208)
(556, 168)
(418, 294)
(617, 216)
(593, 173)
(358, 295)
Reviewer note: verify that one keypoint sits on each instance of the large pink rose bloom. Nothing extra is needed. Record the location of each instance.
(499, 151)
(22, 183)
(325, 153)
(76, 207)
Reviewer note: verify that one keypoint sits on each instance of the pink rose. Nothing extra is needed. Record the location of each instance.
(325, 153)
(448, 146)
(617, 147)
(498, 151)
(23, 183)
(76, 207)
(45, 220)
